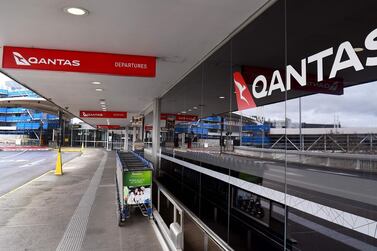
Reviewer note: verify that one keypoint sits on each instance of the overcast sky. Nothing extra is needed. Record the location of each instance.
(357, 107)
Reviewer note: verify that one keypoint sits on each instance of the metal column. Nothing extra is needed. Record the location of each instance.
(95, 138)
(125, 140)
(141, 133)
(300, 124)
(133, 137)
(61, 136)
(63, 132)
(107, 140)
(59, 166)
(71, 136)
(86, 138)
(156, 129)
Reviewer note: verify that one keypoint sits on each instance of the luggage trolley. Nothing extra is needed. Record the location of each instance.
(134, 185)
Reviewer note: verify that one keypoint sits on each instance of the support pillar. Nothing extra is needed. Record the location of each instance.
(133, 137)
(95, 138)
(156, 130)
(63, 133)
(86, 138)
(125, 147)
(107, 140)
(59, 165)
(141, 133)
(71, 135)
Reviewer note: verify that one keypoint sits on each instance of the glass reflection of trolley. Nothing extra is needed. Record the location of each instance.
(134, 185)
(252, 206)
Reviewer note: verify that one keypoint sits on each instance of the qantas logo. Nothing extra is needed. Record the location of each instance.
(244, 98)
(85, 114)
(345, 57)
(104, 114)
(241, 89)
(20, 60)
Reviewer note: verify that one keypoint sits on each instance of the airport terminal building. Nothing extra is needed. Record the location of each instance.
(301, 190)
(264, 140)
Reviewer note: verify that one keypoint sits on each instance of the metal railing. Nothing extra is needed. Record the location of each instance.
(331, 142)
(196, 235)
(363, 162)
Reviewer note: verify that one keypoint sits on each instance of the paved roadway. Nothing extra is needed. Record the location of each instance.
(17, 168)
(339, 189)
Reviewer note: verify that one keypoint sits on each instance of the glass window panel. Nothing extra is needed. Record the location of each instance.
(330, 182)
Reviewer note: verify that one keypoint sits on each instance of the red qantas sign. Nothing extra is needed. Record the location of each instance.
(148, 128)
(187, 118)
(78, 61)
(102, 114)
(111, 127)
(244, 98)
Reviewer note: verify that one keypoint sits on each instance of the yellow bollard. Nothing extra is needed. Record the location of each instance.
(59, 165)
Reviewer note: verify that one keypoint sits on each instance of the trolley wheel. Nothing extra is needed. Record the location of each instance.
(121, 222)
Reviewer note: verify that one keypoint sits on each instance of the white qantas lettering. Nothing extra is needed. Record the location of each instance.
(85, 114)
(20, 60)
(345, 58)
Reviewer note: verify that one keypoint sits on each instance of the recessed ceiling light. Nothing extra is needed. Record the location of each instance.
(96, 83)
(222, 97)
(99, 89)
(358, 49)
(76, 11)
(183, 112)
(195, 108)
(189, 110)
(102, 103)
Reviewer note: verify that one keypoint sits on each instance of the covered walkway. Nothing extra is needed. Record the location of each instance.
(76, 211)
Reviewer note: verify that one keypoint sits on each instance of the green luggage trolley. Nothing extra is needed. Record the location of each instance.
(134, 185)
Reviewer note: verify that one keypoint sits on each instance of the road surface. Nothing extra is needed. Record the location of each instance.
(17, 168)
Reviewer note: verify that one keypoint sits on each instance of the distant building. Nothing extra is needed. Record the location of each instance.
(23, 123)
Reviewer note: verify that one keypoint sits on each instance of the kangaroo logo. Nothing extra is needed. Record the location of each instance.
(244, 98)
(241, 89)
(20, 60)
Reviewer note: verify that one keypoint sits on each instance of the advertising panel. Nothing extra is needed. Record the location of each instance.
(137, 186)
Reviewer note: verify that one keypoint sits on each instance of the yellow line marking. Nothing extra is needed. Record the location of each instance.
(27, 183)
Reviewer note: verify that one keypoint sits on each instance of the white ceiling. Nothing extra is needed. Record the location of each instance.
(178, 32)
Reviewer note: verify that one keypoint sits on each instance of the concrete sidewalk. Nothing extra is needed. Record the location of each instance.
(76, 211)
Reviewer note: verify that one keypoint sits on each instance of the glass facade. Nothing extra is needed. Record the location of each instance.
(271, 141)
